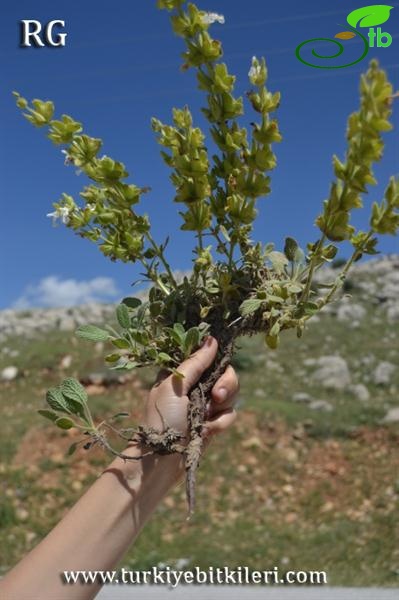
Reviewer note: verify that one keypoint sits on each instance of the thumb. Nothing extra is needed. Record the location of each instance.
(193, 367)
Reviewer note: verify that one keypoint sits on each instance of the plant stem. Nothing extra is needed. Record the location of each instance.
(200, 240)
(219, 240)
(230, 256)
(154, 277)
(163, 260)
(348, 264)
(312, 266)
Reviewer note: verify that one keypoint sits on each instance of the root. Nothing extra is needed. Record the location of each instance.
(199, 397)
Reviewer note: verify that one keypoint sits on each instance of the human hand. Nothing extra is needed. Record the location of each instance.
(168, 400)
(167, 406)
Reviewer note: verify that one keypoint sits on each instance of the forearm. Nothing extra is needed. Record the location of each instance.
(97, 531)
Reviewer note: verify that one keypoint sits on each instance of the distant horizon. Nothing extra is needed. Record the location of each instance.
(140, 291)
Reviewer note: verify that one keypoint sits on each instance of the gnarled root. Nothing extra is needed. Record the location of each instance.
(199, 396)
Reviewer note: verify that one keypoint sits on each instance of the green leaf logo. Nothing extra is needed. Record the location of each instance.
(369, 16)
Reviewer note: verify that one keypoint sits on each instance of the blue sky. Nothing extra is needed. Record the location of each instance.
(120, 67)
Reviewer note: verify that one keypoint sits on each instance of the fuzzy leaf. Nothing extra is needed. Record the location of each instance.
(92, 333)
(250, 305)
(56, 400)
(112, 357)
(48, 414)
(164, 357)
(72, 449)
(179, 331)
(120, 415)
(64, 423)
(191, 340)
(121, 343)
(73, 390)
(75, 396)
(272, 341)
(279, 261)
(290, 248)
(131, 302)
(122, 314)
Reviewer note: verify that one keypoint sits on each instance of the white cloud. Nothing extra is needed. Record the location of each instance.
(53, 291)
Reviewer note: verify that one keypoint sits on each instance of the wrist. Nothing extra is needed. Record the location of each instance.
(148, 475)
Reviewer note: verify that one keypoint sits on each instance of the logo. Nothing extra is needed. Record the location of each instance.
(367, 17)
(30, 28)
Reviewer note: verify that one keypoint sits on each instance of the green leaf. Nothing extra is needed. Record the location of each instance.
(325, 286)
(125, 364)
(75, 396)
(191, 340)
(294, 288)
(275, 330)
(152, 353)
(121, 343)
(156, 308)
(279, 261)
(250, 305)
(369, 16)
(112, 357)
(72, 448)
(131, 302)
(272, 341)
(64, 423)
(299, 257)
(164, 357)
(120, 415)
(141, 337)
(56, 400)
(274, 298)
(177, 373)
(311, 308)
(179, 331)
(131, 364)
(122, 314)
(290, 248)
(73, 390)
(92, 333)
(48, 414)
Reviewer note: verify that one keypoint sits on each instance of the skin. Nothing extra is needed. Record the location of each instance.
(98, 530)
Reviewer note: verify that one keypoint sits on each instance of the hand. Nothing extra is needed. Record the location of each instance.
(169, 395)
(169, 398)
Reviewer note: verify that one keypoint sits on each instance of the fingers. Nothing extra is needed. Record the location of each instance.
(221, 413)
(220, 422)
(193, 367)
(225, 388)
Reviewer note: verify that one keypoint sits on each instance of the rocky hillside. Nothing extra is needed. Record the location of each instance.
(374, 283)
(310, 469)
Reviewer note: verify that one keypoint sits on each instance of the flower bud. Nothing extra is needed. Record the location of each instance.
(257, 73)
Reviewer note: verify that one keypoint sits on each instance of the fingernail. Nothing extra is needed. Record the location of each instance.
(222, 393)
(207, 342)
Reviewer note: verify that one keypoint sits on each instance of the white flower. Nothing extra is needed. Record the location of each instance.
(212, 17)
(62, 212)
(256, 69)
(257, 73)
(68, 159)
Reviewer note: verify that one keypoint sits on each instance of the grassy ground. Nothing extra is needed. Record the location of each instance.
(287, 486)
